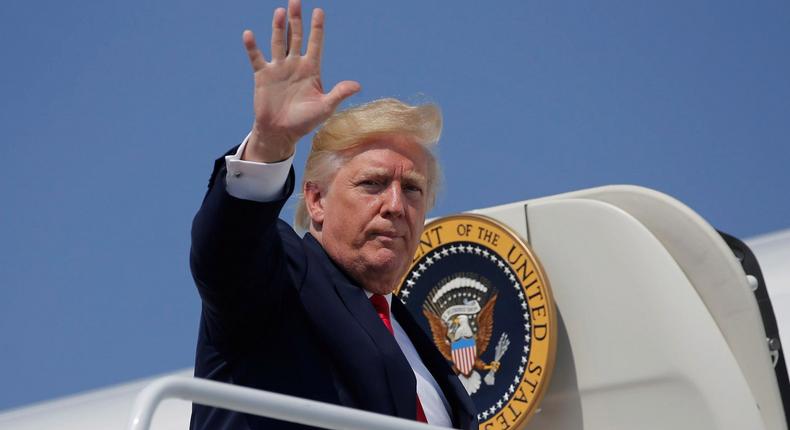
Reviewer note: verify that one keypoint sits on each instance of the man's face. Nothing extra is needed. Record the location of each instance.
(371, 216)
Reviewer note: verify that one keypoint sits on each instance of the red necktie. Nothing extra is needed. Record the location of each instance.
(383, 309)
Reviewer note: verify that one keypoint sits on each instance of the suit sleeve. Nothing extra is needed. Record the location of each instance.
(238, 260)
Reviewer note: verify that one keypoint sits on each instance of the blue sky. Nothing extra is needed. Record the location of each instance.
(112, 113)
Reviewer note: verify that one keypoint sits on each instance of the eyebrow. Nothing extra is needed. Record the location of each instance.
(415, 178)
(412, 176)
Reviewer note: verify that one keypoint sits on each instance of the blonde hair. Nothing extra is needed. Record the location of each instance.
(358, 125)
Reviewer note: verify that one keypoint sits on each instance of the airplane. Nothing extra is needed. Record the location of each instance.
(663, 323)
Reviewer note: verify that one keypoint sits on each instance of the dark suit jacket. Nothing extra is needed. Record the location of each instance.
(279, 315)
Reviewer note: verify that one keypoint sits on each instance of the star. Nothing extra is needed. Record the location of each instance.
(520, 369)
(516, 380)
(526, 316)
(523, 305)
(499, 404)
(521, 295)
(410, 283)
(493, 257)
(516, 285)
(485, 253)
(445, 252)
(491, 410)
(429, 260)
(423, 267)
(511, 388)
(523, 360)
(469, 248)
(511, 278)
(485, 414)
(404, 293)
(526, 348)
(477, 250)
(500, 263)
(453, 249)
(416, 275)
(526, 326)
(526, 337)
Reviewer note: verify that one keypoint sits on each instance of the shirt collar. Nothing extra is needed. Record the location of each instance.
(386, 296)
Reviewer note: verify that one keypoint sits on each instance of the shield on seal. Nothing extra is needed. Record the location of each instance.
(464, 352)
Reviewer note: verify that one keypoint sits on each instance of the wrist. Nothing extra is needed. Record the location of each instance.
(268, 148)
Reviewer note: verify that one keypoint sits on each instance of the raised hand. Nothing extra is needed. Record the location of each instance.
(289, 99)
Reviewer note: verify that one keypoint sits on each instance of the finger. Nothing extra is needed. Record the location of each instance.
(288, 40)
(316, 40)
(256, 57)
(295, 29)
(278, 34)
(340, 92)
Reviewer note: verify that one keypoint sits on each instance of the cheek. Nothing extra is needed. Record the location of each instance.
(349, 221)
(417, 217)
(362, 210)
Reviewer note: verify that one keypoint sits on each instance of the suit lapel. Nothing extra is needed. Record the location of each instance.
(400, 377)
(463, 409)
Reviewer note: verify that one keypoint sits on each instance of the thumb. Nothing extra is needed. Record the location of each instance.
(341, 91)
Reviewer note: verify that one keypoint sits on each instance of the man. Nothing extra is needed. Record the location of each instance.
(311, 317)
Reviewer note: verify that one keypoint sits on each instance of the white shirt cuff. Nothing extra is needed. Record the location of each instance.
(260, 182)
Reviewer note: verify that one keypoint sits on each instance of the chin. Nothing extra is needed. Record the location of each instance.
(387, 261)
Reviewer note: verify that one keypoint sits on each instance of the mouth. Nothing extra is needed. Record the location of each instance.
(385, 235)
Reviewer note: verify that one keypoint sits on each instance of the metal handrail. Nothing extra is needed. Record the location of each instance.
(261, 403)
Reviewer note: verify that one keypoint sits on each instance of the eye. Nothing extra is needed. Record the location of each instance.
(370, 185)
(411, 188)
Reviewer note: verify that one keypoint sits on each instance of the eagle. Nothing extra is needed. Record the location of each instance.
(444, 335)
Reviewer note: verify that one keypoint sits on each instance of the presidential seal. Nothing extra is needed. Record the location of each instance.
(479, 292)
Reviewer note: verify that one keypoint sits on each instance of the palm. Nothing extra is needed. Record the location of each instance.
(289, 99)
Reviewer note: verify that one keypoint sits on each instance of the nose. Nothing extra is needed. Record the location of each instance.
(393, 200)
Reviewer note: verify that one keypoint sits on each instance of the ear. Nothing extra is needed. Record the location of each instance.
(314, 201)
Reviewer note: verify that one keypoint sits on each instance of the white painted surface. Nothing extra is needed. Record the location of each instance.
(644, 348)
(648, 354)
(102, 409)
(715, 274)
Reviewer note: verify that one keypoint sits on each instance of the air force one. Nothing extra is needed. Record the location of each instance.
(662, 323)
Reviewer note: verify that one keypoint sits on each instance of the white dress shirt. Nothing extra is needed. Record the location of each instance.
(264, 182)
